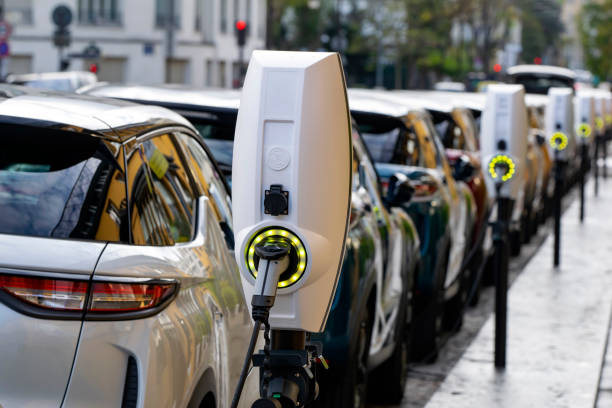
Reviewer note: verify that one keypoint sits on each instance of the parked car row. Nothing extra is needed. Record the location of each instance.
(132, 297)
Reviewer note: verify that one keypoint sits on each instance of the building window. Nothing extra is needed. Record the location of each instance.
(18, 12)
(223, 14)
(166, 11)
(209, 73)
(261, 19)
(99, 12)
(177, 71)
(221, 74)
(204, 19)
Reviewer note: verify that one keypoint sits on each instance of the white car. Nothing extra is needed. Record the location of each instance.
(118, 284)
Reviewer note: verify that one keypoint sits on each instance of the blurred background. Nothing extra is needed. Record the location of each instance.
(384, 43)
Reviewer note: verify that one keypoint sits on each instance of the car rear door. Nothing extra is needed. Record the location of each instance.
(61, 196)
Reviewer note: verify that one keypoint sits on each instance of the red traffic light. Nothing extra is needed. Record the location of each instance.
(93, 68)
(497, 67)
(537, 60)
(241, 25)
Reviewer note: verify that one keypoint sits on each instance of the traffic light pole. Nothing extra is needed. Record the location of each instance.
(596, 165)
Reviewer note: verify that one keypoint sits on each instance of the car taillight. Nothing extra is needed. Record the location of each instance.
(73, 299)
(46, 293)
(127, 297)
(424, 188)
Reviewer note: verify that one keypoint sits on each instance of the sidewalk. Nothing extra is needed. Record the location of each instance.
(557, 327)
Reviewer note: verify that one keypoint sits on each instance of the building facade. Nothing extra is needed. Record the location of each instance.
(141, 41)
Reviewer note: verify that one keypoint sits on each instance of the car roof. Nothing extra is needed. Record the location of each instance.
(379, 102)
(168, 94)
(109, 118)
(52, 75)
(541, 70)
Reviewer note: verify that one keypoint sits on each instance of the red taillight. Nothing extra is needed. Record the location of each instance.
(46, 293)
(127, 297)
(423, 189)
(104, 298)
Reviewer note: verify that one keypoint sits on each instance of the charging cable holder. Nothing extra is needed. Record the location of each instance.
(286, 363)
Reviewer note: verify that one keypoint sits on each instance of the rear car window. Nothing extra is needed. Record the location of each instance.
(539, 84)
(387, 139)
(217, 128)
(60, 184)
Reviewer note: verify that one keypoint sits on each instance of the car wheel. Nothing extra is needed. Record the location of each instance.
(515, 243)
(428, 326)
(346, 387)
(387, 382)
(475, 282)
(453, 309)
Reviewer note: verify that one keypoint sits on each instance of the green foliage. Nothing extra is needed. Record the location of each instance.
(595, 25)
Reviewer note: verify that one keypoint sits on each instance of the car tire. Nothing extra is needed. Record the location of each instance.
(428, 327)
(387, 382)
(454, 307)
(346, 386)
(515, 243)
(475, 284)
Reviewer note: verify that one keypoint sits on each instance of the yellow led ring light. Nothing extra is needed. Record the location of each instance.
(297, 254)
(502, 158)
(558, 141)
(599, 122)
(584, 130)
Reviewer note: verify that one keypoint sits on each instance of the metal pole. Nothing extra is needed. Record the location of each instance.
(596, 174)
(241, 65)
(501, 258)
(557, 209)
(604, 144)
(584, 153)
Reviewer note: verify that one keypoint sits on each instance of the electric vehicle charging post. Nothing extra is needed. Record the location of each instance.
(504, 145)
(600, 132)
(559, 131)
(584, 119)
(291, 188)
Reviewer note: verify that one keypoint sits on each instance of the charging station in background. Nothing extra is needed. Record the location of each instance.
(584, 122)
(504, 149)
(559, 131)
(600, 134)
(291, 189)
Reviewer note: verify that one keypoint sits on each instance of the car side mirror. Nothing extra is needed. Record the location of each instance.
(463, 169)
(400, 190)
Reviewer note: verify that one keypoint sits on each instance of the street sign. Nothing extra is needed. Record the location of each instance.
(61, 37)
(5, 30)
(4, 49)
(92, 51)
(61, 16)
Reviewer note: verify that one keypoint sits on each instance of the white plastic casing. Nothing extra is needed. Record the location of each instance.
(293, 128)
(601, 109)
(560, 118)
(584, 113)
(505, 119)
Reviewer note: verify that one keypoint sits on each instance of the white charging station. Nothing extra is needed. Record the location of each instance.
(601, 109)
(584, 117)
(503, 141)
(559, 123)
(291, 179)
